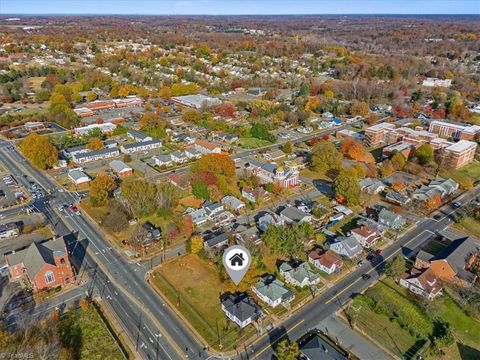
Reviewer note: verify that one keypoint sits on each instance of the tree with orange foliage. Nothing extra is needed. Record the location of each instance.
(312, 104)
(398, 186)
(433, 203)
(95, 143)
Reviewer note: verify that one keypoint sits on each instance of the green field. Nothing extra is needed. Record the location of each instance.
(252, 143)
(402, 326)
(469, 225)
(471, 170)
(193, 286)
(88, 336)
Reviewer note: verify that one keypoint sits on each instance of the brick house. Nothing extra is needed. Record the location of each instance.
(45, 265)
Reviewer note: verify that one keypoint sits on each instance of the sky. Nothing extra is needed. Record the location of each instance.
(239, 7)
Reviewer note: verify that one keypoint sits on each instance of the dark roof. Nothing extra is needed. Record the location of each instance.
(37, 255)
(424, 256)
(141, 144)
(216, 240)
(317, 348)
(458, 253)
(241, 306)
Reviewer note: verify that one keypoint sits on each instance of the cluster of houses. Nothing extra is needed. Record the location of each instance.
(408, 188)
(81, 179)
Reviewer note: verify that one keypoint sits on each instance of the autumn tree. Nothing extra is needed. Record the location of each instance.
(101, 189)
(325, 156)
(287, 147)
(91, 96)
(355, 150)
(196, 244)
(359, 108)
(346, 187)
(39, 151)
(116, 219)
(386, 168)
(95, 143)
(433, 203)
(424, 154)
(191, 116)
(287, 350)
(398, 161)
(165, 92)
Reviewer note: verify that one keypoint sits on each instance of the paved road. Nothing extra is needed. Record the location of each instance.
(122, 284)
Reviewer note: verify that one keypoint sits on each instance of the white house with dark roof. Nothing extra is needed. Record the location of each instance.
(346, 246)
(95, 155)
(163, 160)
(141, 146)
(241, 309)
(138, 135)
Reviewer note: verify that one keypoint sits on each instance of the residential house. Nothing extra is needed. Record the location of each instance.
(110, 144)
(138, 136)
(193, 154)
(455, 262)
(141, 146)
(121, 169)
(423, 283)
(233, 203)
(274, 155)
(45, 265)
(78, 177)
(245, 234)
(316, 346)
(293, 215)
(366, 236)
(371, 186)
(299, 275)
(272, 291)
(253, 195)
(205, 147)
(397, 198)
(199, 216)
(327, 261)
(81, 149)
(183, 138)
(241, 309)
(391, 219)
(269, 219)
(152, 234)
(95, 155)
(438, 186)
(213, 209)
(225, 137)
(180, 180)
(163, 160)
(434, 82)
(346, 246)
(215, 241)
(179, 157)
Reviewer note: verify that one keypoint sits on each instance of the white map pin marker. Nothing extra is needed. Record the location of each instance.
(237, 260)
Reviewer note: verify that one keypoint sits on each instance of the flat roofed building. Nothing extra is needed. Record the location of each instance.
(376, 135)
(459, 154)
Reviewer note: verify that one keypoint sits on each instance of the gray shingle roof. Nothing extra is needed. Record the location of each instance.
(242, 306)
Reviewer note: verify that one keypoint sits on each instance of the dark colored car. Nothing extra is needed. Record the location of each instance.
(366, 277)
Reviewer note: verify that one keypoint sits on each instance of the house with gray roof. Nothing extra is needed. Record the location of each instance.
(391, 219)
(232, 203)
(241, 309)
(268, 219)
(438, 186)
(371, 186)
(141, 146)
(347, 246)
(78, 177)
(292, 215)
(316, 346)
(138, 135)
(397, 198)
(95, 155)
(272, 291)
(163, 160)
(299, 275)
(45, 264)
(120, 168)
(179, 157)
(215, 241)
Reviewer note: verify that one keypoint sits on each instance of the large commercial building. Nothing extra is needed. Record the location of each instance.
(455, 131)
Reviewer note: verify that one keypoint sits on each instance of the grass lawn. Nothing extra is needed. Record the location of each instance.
(88, 336)
(466, 328)
(471, 170)
(398, 340)
(194, 284)
(252, 143)
(469, 225)
(345, 225)
(314, 175)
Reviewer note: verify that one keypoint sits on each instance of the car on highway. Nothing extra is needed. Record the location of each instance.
(74, 210)
(366, 277)
(360, 263)
(457, 204)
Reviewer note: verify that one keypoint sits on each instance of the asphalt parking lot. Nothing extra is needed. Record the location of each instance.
(10, 191)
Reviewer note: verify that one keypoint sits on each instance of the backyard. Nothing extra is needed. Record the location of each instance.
(193, 286)
(252, 143)
(471, 170)
(469, 225)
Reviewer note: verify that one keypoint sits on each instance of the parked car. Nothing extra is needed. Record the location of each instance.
(457, 204)
(366, 277)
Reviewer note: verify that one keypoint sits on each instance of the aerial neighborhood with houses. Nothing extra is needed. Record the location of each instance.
(133, 154)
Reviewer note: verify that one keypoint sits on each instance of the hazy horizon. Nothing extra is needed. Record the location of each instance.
(238, 7)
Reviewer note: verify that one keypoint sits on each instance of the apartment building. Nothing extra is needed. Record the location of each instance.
(104, 128)
(455, 131)
(459, 154)
(376, 135)
(141, 146)
(101, 154)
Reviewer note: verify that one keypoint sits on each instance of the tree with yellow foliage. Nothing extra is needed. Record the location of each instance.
(196, 244)
(95, 143)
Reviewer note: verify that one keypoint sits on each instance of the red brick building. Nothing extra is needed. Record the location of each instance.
(45, 265)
